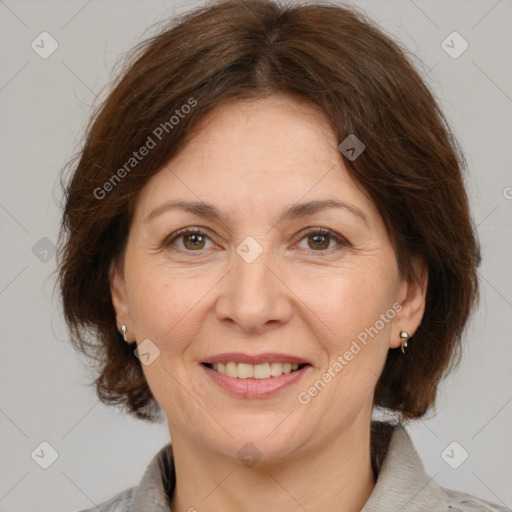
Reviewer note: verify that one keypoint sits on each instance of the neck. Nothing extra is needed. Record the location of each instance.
(338, 476)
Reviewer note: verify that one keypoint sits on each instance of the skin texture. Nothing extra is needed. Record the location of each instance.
(301, 296)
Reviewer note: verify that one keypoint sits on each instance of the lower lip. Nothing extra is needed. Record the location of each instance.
(255, 388)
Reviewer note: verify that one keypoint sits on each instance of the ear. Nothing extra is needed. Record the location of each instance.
(119, 295)
(412, 297)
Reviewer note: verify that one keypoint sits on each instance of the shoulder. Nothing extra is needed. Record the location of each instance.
(152, 492)
(119, 503)
(402, 483)
(462, 502)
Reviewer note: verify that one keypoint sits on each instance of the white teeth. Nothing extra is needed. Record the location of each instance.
(262, 371)
(276, 369)
(245, 371)
(231, 369)
(256, 371)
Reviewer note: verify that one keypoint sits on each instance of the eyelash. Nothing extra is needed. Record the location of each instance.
(309, 232)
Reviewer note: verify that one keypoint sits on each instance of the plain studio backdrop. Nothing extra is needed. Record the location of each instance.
(46, 93)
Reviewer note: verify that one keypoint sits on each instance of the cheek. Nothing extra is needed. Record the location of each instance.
(164, 307)
(350, 300)
(168, 311)
(348, 305)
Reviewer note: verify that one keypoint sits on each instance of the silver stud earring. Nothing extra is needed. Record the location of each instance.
(123, 328)
(404, 336)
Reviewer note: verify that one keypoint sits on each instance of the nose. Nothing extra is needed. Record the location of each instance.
(255, 295)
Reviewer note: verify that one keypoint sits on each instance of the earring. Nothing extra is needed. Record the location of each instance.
(123, 328)
(404, 336)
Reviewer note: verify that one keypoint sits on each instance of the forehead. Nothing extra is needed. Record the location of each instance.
(257, 154)
(279, 122)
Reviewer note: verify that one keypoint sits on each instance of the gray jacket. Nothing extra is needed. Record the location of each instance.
(402, 485)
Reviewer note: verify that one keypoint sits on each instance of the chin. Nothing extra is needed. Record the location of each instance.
(264, 440)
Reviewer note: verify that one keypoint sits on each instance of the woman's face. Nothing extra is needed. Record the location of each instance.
(259, 286)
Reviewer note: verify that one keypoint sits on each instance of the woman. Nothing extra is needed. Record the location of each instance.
(266, 236)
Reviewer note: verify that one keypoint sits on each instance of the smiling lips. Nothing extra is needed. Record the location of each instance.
(256, 371)
(259, 366)
(255, 376)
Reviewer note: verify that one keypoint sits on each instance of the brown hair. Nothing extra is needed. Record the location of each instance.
(327, 55)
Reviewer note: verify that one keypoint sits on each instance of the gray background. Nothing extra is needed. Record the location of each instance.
(45, 104)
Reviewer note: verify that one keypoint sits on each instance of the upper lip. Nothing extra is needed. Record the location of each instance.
(268, 357)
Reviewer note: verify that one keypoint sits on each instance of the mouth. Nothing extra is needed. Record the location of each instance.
(258, 376)
(267, 370)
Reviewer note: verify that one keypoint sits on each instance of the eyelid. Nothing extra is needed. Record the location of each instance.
(186, 231)
(342, 241)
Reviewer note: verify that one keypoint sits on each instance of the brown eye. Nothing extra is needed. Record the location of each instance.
(193, 240)
(320, 239)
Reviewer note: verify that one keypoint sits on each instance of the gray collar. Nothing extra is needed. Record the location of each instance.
(402, 484)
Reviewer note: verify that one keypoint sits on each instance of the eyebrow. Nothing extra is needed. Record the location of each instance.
(294, 211)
